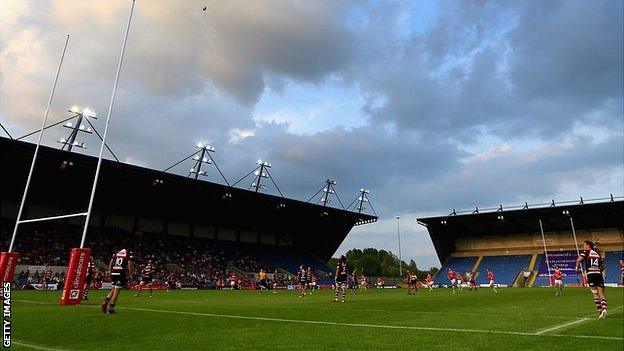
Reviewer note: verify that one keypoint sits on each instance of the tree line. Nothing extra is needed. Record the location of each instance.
(373, 262)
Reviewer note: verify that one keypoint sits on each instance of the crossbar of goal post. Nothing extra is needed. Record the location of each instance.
(545, 253)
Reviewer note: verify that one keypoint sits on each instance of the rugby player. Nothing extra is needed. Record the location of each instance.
(47, 278)
(594, 266)
(262, 281)
(120, 266)
(381, 283)
(451, 277)
(558, 277)
(411, 283)
(301, 277)
(429, 281)
(88, 279)
(309, 286)
(341, 278)
(490, 278)
(472, 281)
(622, 271)
(353, 283)
(275, 281)
(147, 276)
(171, 281)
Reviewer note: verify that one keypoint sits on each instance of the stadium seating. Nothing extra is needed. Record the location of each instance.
(505, 268)
(194, 261)
(458, 264)
(612, 266)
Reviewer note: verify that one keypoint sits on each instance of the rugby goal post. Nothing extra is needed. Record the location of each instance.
(75, 276)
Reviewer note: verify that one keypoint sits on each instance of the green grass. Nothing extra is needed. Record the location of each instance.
(190, 320)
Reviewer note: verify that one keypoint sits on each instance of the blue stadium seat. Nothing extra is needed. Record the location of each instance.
(458, 264)
(612, 266)
(505, 268)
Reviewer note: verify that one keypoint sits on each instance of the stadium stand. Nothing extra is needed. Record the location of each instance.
(612, 266)
(510, 240)
(505, 268)
(196, 262)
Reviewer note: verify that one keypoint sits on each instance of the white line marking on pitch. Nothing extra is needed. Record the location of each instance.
(562, 326)
(35, 347)
(380, 326)
(368, 325)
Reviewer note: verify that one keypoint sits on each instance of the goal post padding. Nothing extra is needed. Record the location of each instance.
(75, 276)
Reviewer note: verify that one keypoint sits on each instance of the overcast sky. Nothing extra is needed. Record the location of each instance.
(431, 105)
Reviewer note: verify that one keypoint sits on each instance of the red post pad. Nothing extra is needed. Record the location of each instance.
(75, 276)
(8, 262)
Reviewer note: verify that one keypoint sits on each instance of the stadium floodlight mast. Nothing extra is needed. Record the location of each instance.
(360, 200)
(201, 159)
(327, 190)
(398, 218)
(76, 128)
(82, 115)
(19, 220)
(201, 156)
(261, 171)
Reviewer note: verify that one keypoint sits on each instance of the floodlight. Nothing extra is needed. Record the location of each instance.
(443, 222)
(566, 212)
(87, 112)
(501, 218)
(74, 109)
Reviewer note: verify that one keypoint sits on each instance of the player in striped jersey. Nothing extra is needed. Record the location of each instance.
(594, 266)
(88, 279)
(147, 277)
(341, 278)
(120, 266)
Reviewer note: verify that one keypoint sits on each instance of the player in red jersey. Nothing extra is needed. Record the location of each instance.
(120, 266)
(594, 266)
(233, 280)
(147, 276)
(429, 281)
(490, 278)
(558, 278)
(47, 279)
(451, 277)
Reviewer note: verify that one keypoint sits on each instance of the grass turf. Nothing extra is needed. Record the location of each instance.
(388, 319)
